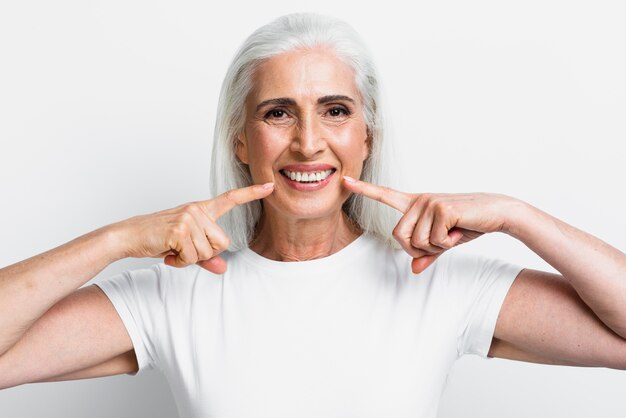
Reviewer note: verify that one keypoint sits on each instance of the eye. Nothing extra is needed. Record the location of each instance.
(275, 114)
(338, 111)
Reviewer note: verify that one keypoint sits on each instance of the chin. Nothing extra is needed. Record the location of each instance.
(311, 207)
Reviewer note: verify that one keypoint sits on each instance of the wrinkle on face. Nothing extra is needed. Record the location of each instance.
(304, 108)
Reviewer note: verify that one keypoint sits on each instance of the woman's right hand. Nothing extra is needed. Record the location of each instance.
(187, 234)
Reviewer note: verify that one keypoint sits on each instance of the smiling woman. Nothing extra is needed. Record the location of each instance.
(283, 296)
(304, 117)
(324, 70)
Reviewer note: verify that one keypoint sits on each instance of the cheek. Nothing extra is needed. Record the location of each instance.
(352, 144)
(264, 146)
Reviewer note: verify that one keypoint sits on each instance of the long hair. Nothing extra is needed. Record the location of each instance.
(288, 33)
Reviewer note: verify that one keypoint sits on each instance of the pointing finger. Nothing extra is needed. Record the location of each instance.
(226, 201)
(397, 200)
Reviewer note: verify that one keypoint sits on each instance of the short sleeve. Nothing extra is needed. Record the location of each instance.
(138, 296)
(478, 287)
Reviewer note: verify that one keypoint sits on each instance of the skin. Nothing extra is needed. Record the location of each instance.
(52, 330)
(575, 318)
(298, 225)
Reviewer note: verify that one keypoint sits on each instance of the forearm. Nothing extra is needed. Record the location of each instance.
(596, 270)
(31, 287)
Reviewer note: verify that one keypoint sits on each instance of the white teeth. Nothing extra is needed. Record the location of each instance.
(307, 177)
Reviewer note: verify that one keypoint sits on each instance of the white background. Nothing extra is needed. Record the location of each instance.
(107, 111)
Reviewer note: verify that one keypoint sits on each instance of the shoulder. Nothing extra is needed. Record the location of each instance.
(461, 265)
(455, 268)
(158, 280)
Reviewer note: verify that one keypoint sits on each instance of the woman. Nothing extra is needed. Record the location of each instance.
(313, 312)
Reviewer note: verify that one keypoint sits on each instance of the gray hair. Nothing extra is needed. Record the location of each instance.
(288, 33)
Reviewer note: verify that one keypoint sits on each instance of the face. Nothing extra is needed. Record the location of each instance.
(304, 130)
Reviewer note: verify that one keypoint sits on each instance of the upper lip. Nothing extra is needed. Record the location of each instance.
(307, 168)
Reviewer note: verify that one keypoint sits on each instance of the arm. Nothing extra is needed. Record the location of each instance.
(593, 268)
(81, 336)
(49, 330)
(31, 287)
(577, 318)
(122, 364)
(543, 320)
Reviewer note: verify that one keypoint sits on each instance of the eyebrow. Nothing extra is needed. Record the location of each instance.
(281, 101)
(334, 98)
(286, 101)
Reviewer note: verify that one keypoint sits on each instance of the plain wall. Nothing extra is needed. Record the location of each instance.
(107, 111)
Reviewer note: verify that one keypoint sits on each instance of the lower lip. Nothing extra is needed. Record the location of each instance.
(307, 187)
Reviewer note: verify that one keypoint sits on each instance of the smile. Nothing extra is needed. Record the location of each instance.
(307, 178)
(304, 177)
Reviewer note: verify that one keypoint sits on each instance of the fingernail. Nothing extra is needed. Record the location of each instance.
(349, 179)
(268, 186)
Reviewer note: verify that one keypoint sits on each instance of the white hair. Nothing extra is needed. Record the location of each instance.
(288, 33)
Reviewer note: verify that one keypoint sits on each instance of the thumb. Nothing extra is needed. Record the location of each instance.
(420, 264)
(215, 264)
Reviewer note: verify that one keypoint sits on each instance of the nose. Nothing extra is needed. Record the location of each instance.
(308, 138)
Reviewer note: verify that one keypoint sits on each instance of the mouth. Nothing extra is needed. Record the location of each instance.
(307, 178)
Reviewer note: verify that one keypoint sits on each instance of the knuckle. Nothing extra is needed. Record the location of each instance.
(221, 243)
(412, 251)
(185, 216)
(403, 244)
(191, 208)
(433, 203)
(443, 209)
(229, 196)
(205, 254)
(419, 242)
(422, 198)
(218, 239)
(208, 206)
(438, 241)
(188, 257)
(397, 233)
(442, 243)
(417, 203)
(179, 229)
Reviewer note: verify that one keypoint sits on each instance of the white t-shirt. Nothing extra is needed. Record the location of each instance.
(354, 334)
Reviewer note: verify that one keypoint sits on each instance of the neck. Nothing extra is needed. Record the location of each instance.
(302, 239)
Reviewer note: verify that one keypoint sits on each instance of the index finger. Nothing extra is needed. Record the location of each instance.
(397, 200)
(235, 197)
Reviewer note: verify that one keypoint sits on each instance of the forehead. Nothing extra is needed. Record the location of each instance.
(302, 75)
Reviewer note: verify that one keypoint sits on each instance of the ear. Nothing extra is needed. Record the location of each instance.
(241, 148)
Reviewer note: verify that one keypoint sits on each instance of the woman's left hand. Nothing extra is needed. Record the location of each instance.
(433, 223)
